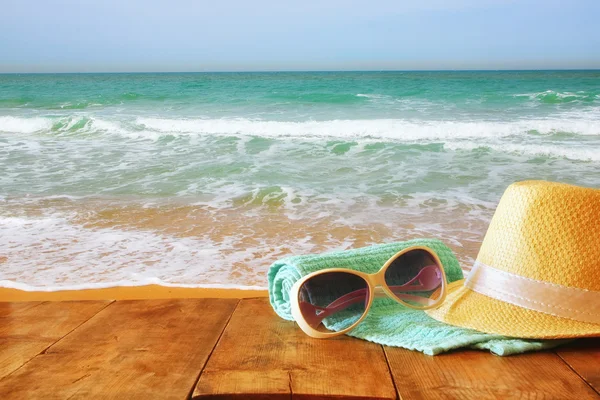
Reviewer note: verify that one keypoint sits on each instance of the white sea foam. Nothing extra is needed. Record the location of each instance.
(374, 96)
(53, 253)
(550, 150)
(586, 123)
(554, 94)
(24, 125)
(389, 129)
(103, 285)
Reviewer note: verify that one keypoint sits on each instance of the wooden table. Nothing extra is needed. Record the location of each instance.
(229, 348)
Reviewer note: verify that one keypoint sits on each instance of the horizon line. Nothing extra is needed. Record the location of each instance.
(308, 70)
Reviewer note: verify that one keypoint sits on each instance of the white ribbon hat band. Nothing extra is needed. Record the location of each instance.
(561, 301)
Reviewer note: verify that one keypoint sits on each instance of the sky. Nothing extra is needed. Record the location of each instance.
(265, 35)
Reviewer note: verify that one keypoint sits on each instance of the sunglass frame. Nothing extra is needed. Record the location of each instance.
(374, 281)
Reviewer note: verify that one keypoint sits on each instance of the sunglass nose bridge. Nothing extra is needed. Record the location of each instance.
(378, 291)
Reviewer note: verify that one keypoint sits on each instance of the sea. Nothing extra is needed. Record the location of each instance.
(206, 179)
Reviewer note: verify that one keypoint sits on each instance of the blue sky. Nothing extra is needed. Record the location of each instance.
(237, 35)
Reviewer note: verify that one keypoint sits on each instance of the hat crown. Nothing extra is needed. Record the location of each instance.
(548, 232)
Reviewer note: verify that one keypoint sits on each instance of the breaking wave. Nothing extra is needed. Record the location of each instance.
(386, 129)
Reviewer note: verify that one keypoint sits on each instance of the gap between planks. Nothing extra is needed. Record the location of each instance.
(583, 357)
(260, 356)
(471, 374)
(28, 329)
(133, 349)
(191, 391)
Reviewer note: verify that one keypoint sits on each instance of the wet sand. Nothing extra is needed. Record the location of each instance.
(128, 293)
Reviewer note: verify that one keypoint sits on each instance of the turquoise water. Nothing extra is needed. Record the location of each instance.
(205, 179)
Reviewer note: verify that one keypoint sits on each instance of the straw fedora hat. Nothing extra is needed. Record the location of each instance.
(537, 274)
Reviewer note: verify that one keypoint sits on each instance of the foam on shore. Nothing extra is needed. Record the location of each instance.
(129, 293)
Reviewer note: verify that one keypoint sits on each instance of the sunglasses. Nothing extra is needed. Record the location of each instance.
(331, 302)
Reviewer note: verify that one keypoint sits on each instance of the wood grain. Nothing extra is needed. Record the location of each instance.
(479, 375)
(584, 357)
(130, 350)
(28, 328)
(158, 348)
(12, 308)
(261, 356)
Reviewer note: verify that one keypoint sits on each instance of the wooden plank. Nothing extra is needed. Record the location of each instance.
(584, 358)
(12, 308)
(28, 328)
(479, 375)
(261, 356)
(132, 349)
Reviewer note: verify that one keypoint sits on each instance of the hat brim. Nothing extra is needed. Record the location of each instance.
(468, 309)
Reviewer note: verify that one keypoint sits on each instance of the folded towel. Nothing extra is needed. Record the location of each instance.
(388, 322)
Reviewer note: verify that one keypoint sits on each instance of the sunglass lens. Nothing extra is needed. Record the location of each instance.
(416, 278)
(333, 301)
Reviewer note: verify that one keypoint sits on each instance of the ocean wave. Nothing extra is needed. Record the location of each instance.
(83, 101)
(75, 124)
(544, 150)
(24, 125)
(15, 102)
(554, 97)
(407, 103)
(373, 96)
(384, 129)
(81, 105)
(389, 129)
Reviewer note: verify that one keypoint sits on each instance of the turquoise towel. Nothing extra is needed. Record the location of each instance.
(388, 322)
